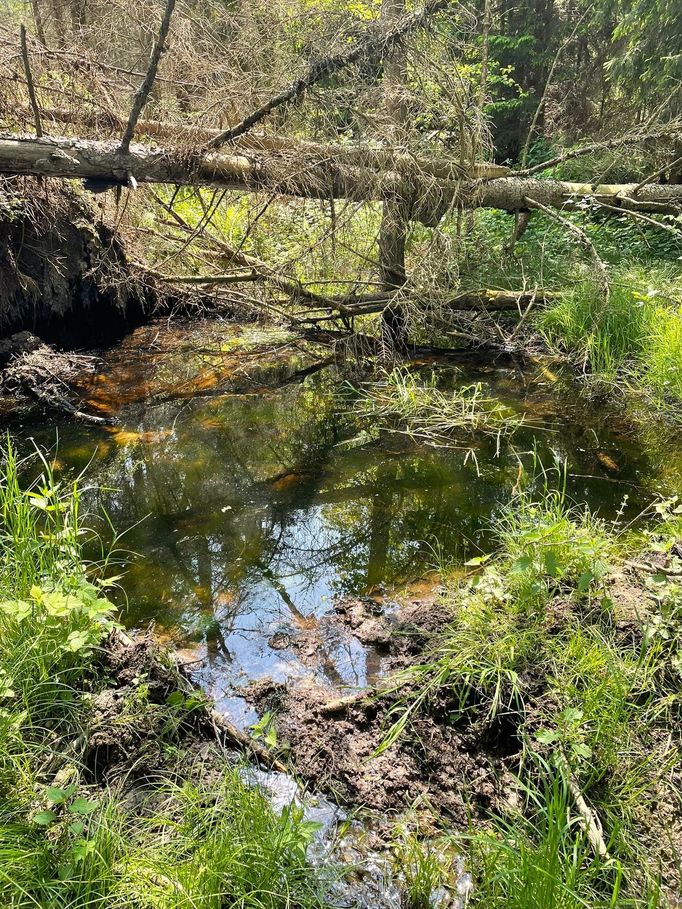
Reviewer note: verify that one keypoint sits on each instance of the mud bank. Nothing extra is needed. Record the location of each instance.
(451, 759)
(150, 728)
(456, 767)
(64, 274)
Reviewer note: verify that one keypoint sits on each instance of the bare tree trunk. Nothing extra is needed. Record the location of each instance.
(394, 216)
(38, 19)
(58, 17)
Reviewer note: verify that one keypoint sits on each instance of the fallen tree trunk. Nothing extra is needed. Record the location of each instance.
(511, 194)
(352, 154)
(483, 300)
(429, 198)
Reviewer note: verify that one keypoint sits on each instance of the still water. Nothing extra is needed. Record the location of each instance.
(255, 498)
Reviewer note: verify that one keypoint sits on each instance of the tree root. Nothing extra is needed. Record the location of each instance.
(45, 374)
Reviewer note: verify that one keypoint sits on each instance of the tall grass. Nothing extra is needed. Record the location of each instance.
(534, 637)
(542, 858)
(498, 629)
(185, 847)
(40, 528)
(635, 336)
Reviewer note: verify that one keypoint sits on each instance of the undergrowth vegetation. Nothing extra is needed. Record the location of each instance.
(575, 662)
(66, 838)
(551, 642)
(630, 339)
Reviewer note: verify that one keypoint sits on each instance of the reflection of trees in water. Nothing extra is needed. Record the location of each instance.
(245, 495)
(210, 520)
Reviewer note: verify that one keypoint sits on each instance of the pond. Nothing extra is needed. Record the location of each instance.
(256, 500)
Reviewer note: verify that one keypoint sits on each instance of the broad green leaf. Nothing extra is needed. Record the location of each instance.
(584, 581)
(478, 560)
(582, 750)
(45, 818)
(82, 806)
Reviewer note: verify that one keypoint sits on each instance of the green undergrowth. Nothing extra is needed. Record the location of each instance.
(633, 339)
(68, 840)
(551, 639)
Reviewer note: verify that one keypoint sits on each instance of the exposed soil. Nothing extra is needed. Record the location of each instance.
(455, 768)
(135, 735)
(461, 766)
(63, 272)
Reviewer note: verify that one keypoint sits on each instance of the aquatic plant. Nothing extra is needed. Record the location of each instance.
(404, 401)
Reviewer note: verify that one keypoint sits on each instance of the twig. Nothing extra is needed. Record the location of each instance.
(671, 131)
(638, 216)
(142, 93)
(650, 568)
(550, 76)
(340, 705)
(29, 82)
(656, 175)
(579, 234)
(237, 277)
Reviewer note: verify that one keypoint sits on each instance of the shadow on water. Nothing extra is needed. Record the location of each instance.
(253, 511)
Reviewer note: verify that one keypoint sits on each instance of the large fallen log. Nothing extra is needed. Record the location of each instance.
(313, 177)
(511, 194)
(482, 300)
(352, 154)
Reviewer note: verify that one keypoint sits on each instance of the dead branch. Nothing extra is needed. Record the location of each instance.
(638, 216)
(656, 174)
(672, 130)
(581, 236)
(29, 82)
(142, 93)
(43, 373)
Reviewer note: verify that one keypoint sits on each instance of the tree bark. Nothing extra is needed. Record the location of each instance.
(315, 178)
(395, 213)
(351, 155)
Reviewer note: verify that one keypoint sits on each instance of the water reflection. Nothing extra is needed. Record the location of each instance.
(253, 512)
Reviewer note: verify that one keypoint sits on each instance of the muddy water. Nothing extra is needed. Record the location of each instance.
(256, 500)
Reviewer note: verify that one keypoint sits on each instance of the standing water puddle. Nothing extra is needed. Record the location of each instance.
(257, 503)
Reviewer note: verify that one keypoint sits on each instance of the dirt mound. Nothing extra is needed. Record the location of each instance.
(142, 717)
(63, 272)
(455, 771)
